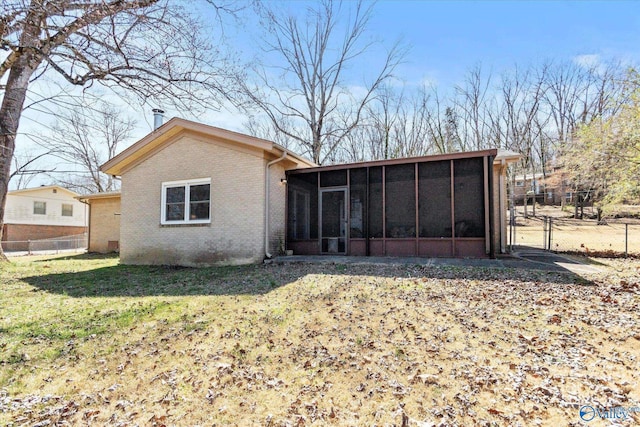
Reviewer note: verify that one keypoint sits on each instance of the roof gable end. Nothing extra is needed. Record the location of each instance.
(174, 128)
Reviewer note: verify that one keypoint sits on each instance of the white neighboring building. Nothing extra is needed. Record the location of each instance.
(42, 213)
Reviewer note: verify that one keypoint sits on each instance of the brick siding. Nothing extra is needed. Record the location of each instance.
(236, 232)
(105, 224)
(20, 232)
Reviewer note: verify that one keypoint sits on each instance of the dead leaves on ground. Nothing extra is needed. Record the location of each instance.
(409, 346)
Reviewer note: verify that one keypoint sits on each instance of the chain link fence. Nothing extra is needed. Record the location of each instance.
(76, 243)
(613, 237)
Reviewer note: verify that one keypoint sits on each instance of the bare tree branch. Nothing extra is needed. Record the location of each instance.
(84, 138)
(311, 94)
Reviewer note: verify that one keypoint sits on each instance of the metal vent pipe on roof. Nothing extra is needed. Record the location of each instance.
(158, 118)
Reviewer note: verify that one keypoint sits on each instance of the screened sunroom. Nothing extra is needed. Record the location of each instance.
(435, 206)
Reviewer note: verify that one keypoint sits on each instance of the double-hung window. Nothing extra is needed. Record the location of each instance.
(186, 202)
(67, 209)
(39, 208)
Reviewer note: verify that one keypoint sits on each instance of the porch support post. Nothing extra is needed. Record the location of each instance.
(267, 204)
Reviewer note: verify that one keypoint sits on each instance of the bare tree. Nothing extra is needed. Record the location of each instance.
(473, 103)
(575, 94)
(522, 92)
(152, 47)
(356, 146)
(266, 130)
(415, 115)
(607, 93)
(310, 91)
(81, 140)
(565, 86)
(411, 129)
(396, 125)
(383, 114)
(437, 129)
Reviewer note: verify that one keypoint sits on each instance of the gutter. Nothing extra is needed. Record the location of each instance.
(266, 202)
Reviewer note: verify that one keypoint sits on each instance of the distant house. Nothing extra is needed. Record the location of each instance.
(197, 195)
(553, 189)
(559, 187)
(43, 213)
(531, 186)
(104, 221)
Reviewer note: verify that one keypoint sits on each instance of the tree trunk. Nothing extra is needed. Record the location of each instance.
(11, 110)
(12, 104)
(9, 119)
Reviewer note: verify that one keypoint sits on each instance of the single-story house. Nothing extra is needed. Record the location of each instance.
(194, 194)
(104, 221)
(39, 213)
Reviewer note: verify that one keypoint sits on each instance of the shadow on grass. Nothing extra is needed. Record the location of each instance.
(79, 257)
(558, 261)
(129, 280)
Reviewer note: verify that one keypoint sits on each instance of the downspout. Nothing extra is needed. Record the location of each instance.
(266, 202)
(501, 203)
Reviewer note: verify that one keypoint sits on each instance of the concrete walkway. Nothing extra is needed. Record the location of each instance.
(527, 258)
(575, 264)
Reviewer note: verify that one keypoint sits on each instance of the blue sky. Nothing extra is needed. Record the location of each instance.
(450, 37)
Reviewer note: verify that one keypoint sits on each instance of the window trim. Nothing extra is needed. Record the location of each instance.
(62, 210)
(44, 204)
(186, 184)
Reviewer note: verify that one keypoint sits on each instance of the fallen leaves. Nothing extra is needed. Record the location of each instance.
(554, 319)
(402, 345)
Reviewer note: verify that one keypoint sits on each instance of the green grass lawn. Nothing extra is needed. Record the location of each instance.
(86, 341)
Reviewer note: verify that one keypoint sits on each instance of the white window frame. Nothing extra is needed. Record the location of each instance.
(44, 205)
(62, 209)
(187, 205)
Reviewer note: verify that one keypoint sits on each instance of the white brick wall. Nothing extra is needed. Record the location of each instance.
(236, 232)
